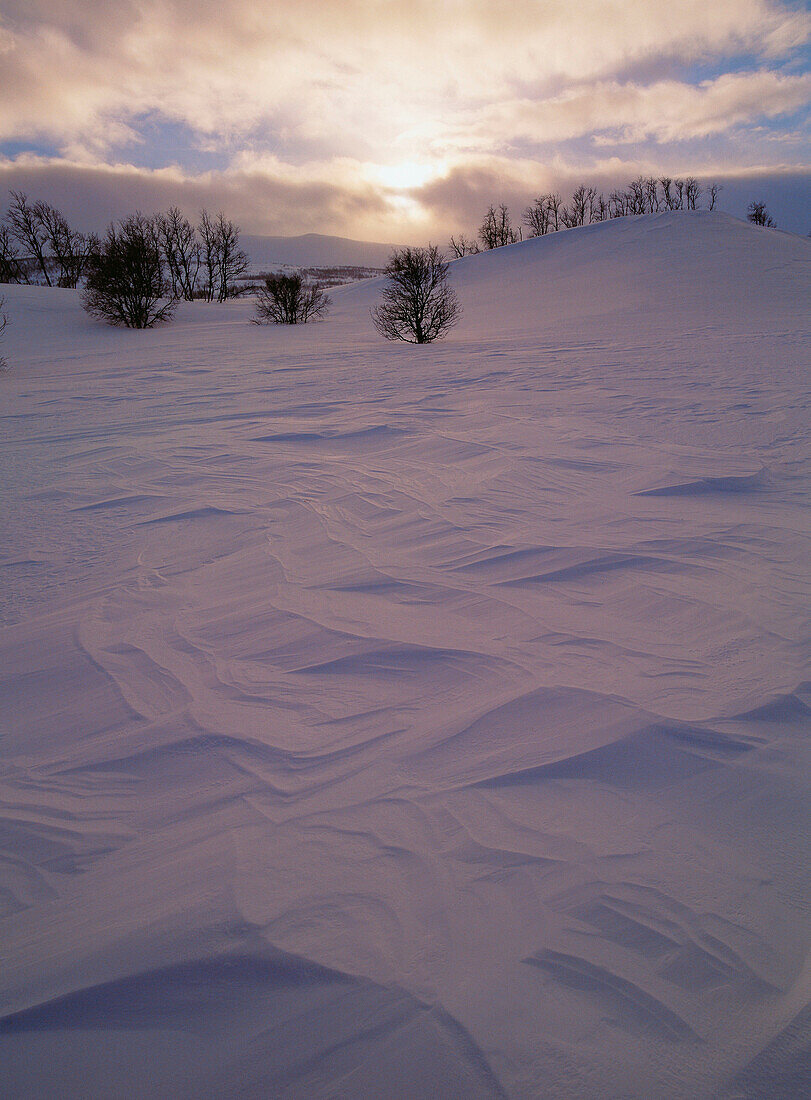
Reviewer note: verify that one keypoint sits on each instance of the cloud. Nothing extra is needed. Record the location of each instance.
(665, 111)
(310, 70)
(266, 196)
(382, 120)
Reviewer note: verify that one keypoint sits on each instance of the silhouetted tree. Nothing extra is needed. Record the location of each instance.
(126, 283)
(69, 250)
(181, 251)
(618, 204)
(3, 323)
(576, 210)
(692, 192)
(26, 227)
(637, 196)
(223, 261)
(667, 193)
(463, 247)
(759, 215)
(497, 230)
(652, 202)
(417, 305)
(57, 253)
(13, 268)
(536, 217)
(547, 214)
(286, 300)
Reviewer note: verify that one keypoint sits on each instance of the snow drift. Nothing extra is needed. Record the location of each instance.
(383, 721)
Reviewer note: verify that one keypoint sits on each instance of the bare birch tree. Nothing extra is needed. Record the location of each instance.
(417, 306)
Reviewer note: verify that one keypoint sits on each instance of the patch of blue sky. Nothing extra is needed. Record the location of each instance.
(9, 150)
(163, 142)
(708, 69)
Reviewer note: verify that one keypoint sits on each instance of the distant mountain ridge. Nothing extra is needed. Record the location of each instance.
(314, 250)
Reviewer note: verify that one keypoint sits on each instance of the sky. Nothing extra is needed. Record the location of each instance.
(398, 120)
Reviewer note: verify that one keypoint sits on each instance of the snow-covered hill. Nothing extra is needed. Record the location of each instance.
(314, 250)
(393, 721)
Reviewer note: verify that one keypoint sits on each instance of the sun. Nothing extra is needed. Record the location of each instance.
(406, 175)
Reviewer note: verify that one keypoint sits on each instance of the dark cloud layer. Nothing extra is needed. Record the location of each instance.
(91, 197)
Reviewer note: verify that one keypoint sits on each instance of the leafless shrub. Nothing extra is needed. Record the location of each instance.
(288, 300)
(759, 215)
(418, 306)
(126, 283)
(463, 247)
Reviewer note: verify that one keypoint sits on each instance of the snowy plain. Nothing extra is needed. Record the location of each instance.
(386, 721)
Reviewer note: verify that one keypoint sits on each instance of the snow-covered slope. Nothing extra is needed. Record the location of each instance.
(391, 721)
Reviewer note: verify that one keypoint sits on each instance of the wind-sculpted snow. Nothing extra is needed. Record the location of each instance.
(389, 721)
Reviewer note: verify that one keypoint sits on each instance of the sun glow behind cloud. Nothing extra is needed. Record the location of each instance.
(347, 117)
(409, 174)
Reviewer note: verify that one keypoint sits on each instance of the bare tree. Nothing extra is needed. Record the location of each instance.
(3, 323)
(223, 261)
(712, 191)
(463, 247)
(667, 193)
(208, 257)
(234, 263)
(579, 206)
(13, 268)
(537, 217)
(568, 218)
(759, 215)
(287, 300)
(637, 196)
(70, 250)
(57, 253)
(678, 201)
(580, 210)
(618, 204)
(181, 251)
(26, 228)
(652, 195)
(126, 283)
(692, 192)
(590, 198)
(497, 230)
(417, 304)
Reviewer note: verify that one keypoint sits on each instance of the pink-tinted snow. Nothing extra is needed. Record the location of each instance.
(391, 721)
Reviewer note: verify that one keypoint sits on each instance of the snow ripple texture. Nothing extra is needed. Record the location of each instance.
(382, 721)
